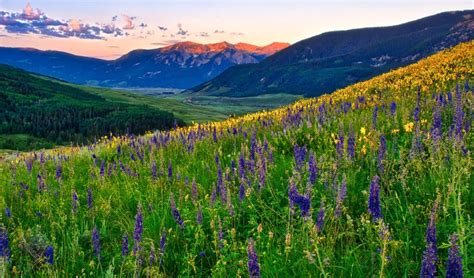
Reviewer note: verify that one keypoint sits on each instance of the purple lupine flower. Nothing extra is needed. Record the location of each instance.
(300, 156)
(305, 205)
(74, 201)
(428, 266)
(416, 114)
(163, 243)
(320, 219)
(253, 145)
(374, 199)
(214, 134)
(232, 168)
(138, 230)
(42, 159)
(102, 168)
(96, 241)
(254, 267)
(59, 172)
(313, 168)
(374, 117)
(152, 256)
(4, 243)
(242, 166)
(125, 245)
(241, 191)
(8, 213)
(89, 198)
(454, 263)
(199, 216)
(29, 165)
(351, 145)
(153, 170)
(341, 195)
(194, 190)
(303, 202)
(393, 108)
(381, 154)
(49, 254)
(175, 212)
(162, 246)
(170, 170)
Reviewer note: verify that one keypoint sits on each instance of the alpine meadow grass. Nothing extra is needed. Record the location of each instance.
(372, 180)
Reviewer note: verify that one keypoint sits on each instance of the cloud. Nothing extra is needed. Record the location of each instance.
(143, 25)
(236, 34)
(129, 25)
(34, 21)
(30, 13)
(204, 34)
(181, 31)
(219, 32)
(162, 28)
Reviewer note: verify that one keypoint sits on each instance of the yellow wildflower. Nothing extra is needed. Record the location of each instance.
(395, 131)
(362, 130)
(409, 127)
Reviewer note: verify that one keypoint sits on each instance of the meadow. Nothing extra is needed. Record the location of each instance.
(372, 180)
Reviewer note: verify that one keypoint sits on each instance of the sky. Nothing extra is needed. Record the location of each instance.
(107, 29)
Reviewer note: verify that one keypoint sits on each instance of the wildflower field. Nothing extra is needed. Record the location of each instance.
(372, 180)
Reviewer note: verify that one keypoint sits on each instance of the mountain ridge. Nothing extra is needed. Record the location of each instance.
(180, 65)
(335, 59)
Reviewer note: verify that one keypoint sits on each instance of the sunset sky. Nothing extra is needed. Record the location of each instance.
(110, 28)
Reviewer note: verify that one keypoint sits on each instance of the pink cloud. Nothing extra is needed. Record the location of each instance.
(30, 13)
(129, 25)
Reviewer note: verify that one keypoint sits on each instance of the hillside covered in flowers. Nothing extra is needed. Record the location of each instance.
(372, 180)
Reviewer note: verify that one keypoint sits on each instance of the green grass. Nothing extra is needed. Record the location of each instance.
(251, 183)
(184, 111)
(195, 108)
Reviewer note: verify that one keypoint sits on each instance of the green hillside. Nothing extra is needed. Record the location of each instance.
(374, 180)
(45, 112)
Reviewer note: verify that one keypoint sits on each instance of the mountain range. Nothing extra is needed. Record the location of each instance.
(182, 65)
(320, 64)
(332, 60)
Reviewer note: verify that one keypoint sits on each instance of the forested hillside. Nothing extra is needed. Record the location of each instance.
(60, 114)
